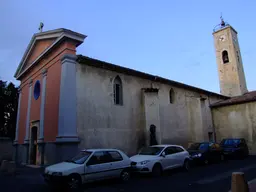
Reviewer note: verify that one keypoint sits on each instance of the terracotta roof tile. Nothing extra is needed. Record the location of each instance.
(245, 98)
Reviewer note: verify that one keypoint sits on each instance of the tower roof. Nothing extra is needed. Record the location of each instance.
(222, 25)
(217, 29)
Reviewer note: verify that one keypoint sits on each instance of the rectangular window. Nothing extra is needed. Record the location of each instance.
(98, 157)
(115, 156)
(170, 150)
(178, 149)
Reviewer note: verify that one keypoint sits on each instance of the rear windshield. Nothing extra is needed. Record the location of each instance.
(199, 146)
(151, 150)
(230, 141)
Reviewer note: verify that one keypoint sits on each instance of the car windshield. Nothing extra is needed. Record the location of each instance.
(199, 146)
(80, 158)
(151, 151)
(230, 141)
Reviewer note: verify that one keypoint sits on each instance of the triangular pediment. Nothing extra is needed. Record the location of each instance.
(38, 48)
(43, 42)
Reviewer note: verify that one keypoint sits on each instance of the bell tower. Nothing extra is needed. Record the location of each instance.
(229, 60)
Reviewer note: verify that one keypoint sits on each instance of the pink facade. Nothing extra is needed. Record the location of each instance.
(40, 73)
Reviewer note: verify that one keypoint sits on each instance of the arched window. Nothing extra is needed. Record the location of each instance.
(118, 91)
(171, 95)
(225, 58)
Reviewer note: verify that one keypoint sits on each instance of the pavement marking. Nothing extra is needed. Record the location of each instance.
(223, 175)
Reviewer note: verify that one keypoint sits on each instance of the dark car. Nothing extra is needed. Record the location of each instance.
(235, 147)
(206, 152)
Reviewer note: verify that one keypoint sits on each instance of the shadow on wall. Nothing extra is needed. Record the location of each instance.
(152, 136)
(141, 141)
(142, 138)
(6, 149)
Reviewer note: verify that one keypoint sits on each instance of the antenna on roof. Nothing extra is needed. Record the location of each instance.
(221, 25)
(40, 28)
(222, 21)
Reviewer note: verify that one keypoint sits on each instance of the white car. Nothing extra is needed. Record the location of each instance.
(158, 158)
(89, 165)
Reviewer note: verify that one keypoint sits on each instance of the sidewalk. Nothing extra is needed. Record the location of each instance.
(25, 179)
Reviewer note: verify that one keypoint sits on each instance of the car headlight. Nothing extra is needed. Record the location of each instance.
(197, 155)
(144, 162)
(57, 173)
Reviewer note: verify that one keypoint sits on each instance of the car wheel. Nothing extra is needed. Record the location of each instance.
(74, 182)
(157, 170)
(125, 175)
(186, 165)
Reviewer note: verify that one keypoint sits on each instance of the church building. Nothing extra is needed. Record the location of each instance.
(69, 102)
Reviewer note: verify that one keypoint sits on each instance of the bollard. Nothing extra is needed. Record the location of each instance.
(238, 183)
(4, 166)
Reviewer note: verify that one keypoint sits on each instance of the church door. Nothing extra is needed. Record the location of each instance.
(33, 148)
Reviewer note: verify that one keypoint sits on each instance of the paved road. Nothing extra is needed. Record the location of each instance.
(211, 178)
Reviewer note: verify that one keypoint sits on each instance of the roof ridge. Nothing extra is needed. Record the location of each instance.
(240, 99)
(114, 67)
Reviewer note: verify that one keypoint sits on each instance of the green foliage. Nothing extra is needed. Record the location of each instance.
(8, 109)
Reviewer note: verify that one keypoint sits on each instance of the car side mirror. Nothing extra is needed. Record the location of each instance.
(163, 154)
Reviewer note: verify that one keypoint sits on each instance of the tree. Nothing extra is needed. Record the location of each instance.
(8, 109)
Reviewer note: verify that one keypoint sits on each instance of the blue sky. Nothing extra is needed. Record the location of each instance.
(172, 39)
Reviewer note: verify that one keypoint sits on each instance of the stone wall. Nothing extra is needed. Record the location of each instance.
(6, 149)
(236, 121)
(101, 123)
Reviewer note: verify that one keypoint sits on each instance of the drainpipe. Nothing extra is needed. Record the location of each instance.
(213, 127)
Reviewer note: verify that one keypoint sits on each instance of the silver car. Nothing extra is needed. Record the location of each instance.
(89, 165)
(158, 158)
